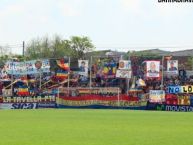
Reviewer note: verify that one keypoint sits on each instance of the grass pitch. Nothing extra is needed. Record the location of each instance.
(95, 127)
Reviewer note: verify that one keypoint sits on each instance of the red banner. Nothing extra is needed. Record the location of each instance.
(100, 97)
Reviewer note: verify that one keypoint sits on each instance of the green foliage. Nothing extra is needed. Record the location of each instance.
(57, 47)
(190, 62)
(80, 46)
(143, 54)
(3, 60)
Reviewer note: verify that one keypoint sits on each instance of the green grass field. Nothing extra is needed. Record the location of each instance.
(95, 127)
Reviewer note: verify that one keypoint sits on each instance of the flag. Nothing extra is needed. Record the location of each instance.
(141, 83)
(62, 64)
(62, 74)
(23, 91)
(168, 57)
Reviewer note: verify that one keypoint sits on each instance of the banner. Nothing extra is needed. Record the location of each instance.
(187, 89)
(125, 64)
(101, 91)
(27, 67)
(179, 89)
(46, 105)
(83, 67)
(98, 101)
(7, 92)
(98, 91)
(18, 105)
(153, 69)
(26, 105)
(183, 99)
(164, 107)
(172, 66)
(109, 70)
(157, 96)
(31, 102)
(173, 89)
(29, 99)
(123, 74)
(104, 68)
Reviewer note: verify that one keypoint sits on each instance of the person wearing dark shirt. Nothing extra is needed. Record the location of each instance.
(82, 67)
(172, 67)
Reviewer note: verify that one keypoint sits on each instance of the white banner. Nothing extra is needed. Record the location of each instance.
(156, 96)
(123, 74)
(153, 69)
(125, 64)
(172, 66)
(83, 67)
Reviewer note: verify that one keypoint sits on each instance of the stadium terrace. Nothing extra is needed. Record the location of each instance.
(111, 82)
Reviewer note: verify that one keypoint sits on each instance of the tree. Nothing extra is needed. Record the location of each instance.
(5, 54)
(33, 49)
(3, 60)
(146, 55)
(80, 46)
(57, 47)
(190, 62)
(61, 48)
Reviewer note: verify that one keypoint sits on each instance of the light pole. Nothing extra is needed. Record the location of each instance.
(68, 75)
(162, 81)
(23, 48)
(12, 76)
(91, 72)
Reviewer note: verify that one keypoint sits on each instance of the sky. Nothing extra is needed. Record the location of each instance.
(110, 24)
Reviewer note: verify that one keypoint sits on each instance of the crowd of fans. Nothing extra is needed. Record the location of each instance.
(36, 84)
